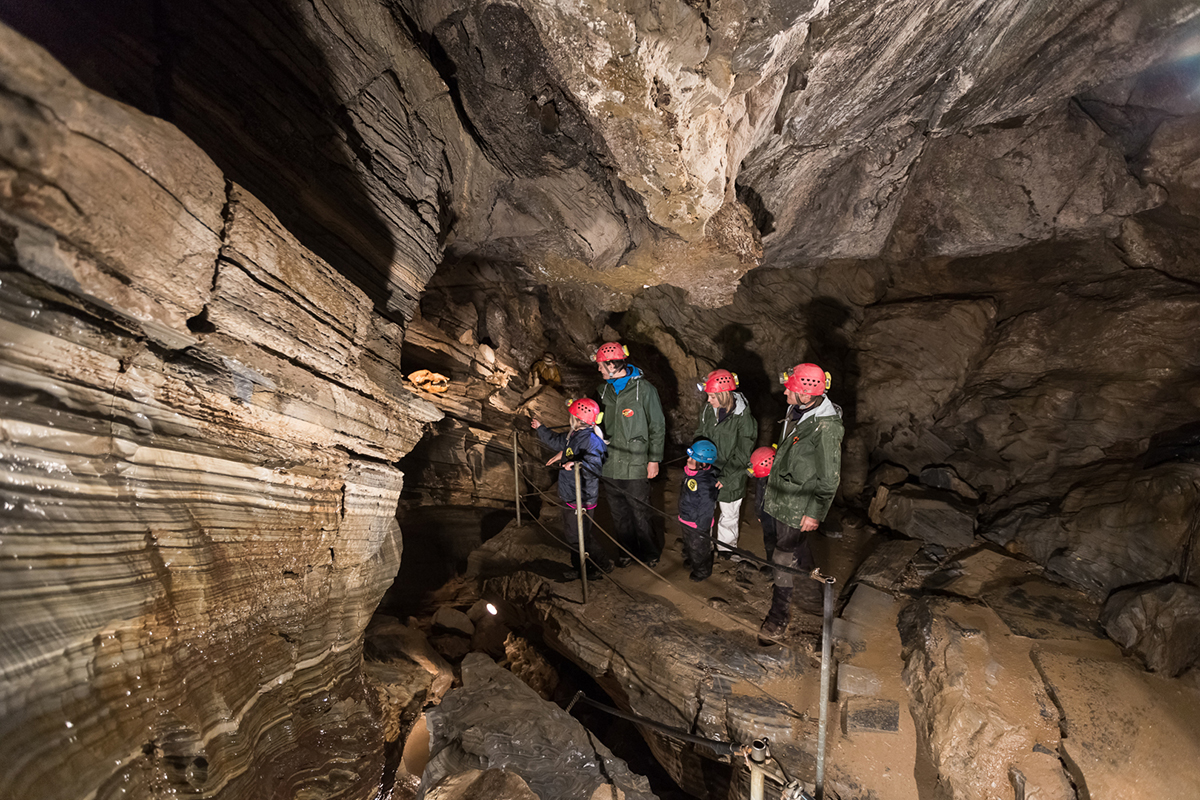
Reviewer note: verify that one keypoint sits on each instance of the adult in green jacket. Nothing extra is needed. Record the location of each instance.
(726, 421)
(804, 478)
(636, 428)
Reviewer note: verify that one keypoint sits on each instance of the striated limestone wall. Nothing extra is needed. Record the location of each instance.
(199, 425)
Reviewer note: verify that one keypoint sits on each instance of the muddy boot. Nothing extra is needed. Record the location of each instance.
(593, 573)
(777, 618)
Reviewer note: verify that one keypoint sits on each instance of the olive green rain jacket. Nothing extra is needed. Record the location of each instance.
(808, 465)
(634, 423)
(734, 437)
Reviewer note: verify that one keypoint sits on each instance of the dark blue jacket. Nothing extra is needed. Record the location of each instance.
(698, 497)
(588, 451)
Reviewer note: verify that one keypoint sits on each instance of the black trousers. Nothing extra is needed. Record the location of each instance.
(769, 537)
(792, 550)
(698, 546)
(571, 534)
(629, 502)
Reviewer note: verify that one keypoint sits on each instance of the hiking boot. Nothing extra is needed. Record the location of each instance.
(745, 574)
(777, 618)
(771, 628)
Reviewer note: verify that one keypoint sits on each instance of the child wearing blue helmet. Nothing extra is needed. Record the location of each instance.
(697, 504)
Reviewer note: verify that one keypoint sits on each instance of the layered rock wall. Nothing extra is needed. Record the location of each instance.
(200, 426)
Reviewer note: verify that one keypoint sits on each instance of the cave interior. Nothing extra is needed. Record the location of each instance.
(276, 278)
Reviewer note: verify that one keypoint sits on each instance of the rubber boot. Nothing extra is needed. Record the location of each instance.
(593, 573)
(573, 573)
(778, 617)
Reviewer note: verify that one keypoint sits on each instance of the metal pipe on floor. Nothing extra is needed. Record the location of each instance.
(826, 667)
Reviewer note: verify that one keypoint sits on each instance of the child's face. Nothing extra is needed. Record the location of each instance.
(691, 464)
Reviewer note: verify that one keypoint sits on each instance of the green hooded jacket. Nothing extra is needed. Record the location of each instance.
(808, 465)
(634, 422)
(734, 437)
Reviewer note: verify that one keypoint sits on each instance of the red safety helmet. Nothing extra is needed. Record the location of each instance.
(806, 379)
(585, 410)
(611, 351)
(719, 380)
(761, 461)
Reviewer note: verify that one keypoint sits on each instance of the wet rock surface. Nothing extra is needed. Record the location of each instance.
(984, 224)
(496, 722)
(940, 672)
(199, 421)
(1160, 624)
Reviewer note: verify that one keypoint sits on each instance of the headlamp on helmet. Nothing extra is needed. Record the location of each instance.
(703, 451)
(806, 379)
(761, 461)
(585, 410)
(611, 351)
(719, 380)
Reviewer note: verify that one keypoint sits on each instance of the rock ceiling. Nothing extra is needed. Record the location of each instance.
(631, 144)
(982, 216)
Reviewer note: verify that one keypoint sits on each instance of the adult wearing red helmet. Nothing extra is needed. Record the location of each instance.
(726, 421)
(633, 418)
(801, 485)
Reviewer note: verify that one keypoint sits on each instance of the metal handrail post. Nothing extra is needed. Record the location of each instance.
(826, 659)
(756, 758)
(517, 478)
(579, 528)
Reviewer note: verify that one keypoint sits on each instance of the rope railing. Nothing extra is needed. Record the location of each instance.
(553, 501)
(585, 558)
(827, 582)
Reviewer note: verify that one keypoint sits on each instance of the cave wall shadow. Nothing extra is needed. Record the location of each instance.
(825, 320)
(248, 85)
(761, 390)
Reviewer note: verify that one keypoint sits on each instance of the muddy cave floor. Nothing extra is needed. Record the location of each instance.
(871, 731)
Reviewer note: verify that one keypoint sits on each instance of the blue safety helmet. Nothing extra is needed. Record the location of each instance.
(704, 451)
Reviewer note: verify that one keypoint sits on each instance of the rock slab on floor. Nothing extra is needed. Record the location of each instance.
(1127, 733)
(1161, 625)
(494, 721)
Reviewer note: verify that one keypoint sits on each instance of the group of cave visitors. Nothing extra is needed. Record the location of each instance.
(795, 486)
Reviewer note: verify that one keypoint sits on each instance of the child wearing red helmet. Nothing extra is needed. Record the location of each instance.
(760, 469)
(579, 448)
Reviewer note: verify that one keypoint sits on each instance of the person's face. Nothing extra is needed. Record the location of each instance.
(720, 400)
(797, 399)
(606, 369)
(691, 464)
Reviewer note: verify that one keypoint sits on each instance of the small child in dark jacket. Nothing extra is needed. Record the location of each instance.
(760, 467)
(579, 448)
(697, 504)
